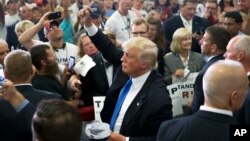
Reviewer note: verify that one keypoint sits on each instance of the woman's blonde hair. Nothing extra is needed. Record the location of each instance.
(23, 26)
(81, 52)
(178, 36)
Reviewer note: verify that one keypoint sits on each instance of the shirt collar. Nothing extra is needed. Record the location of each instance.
(216, 110)
(139, 81)
(24, 84)
(184, 21)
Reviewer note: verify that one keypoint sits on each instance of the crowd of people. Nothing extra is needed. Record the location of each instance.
(136, 49)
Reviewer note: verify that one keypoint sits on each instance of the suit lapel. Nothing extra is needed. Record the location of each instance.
(100, 66)
(179, 22)
(137, 102)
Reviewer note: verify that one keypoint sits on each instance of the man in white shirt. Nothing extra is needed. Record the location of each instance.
(119, 23)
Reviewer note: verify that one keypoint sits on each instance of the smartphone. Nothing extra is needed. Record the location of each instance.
(54, 15)
(2, 78)
(71, 63)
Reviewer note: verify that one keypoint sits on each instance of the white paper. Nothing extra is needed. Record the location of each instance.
(84, 65)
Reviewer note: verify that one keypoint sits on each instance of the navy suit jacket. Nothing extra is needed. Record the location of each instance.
(175, 22)
(202, 126)
(151, 106)
(34, 95)
(198, 99)
(17, 126)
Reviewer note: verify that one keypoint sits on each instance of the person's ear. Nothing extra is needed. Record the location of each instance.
(145, 64)
(6, 74)
(43, 62)
(213, 48)
(240, 55)
(234, 100)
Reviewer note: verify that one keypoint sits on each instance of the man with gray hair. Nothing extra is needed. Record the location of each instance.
(222, 97)
(238, 50)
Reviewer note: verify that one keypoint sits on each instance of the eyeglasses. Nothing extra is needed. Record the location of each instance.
(139, 33)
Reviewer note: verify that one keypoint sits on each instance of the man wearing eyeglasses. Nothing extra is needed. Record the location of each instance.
(139, 28)
(210, 13)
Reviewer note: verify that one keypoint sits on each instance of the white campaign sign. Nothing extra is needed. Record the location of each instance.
(182, 93)
(98, 105)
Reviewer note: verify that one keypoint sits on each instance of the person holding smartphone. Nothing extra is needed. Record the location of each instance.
(47, 68)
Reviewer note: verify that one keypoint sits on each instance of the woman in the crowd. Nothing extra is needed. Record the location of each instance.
(181, 60)
(85, 46)
(226, 6)
(164, 7)
(20, 28)
(157, 35)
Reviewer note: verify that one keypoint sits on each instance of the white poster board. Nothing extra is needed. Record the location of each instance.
(182, 93)
(98, 105)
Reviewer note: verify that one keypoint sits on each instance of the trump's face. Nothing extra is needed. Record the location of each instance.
(131, 63)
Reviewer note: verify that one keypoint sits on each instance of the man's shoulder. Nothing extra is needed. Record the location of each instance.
(31, 91)
(173, 19)
(70, 45)
(114, 16)
(200, 20)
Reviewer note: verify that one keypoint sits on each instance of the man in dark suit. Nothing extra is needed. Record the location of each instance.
(238, 50)
(147, 103)
(213, 119)
(213, 46)
(18, 69)
(188, 20)
(15, 114)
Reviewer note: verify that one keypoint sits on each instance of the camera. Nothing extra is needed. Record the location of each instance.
(41, 2)
(54, 15)
(71, 63)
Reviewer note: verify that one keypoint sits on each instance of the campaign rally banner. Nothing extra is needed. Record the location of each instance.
(182, 93)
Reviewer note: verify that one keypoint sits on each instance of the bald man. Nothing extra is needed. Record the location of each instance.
(222, 97)
(239, 49)
(4, 50)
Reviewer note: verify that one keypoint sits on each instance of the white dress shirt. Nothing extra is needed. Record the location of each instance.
(187, 24)
(136, 86)
(216, 110)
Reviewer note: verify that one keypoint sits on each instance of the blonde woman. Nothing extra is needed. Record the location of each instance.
(181, 60)
(20, 28)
